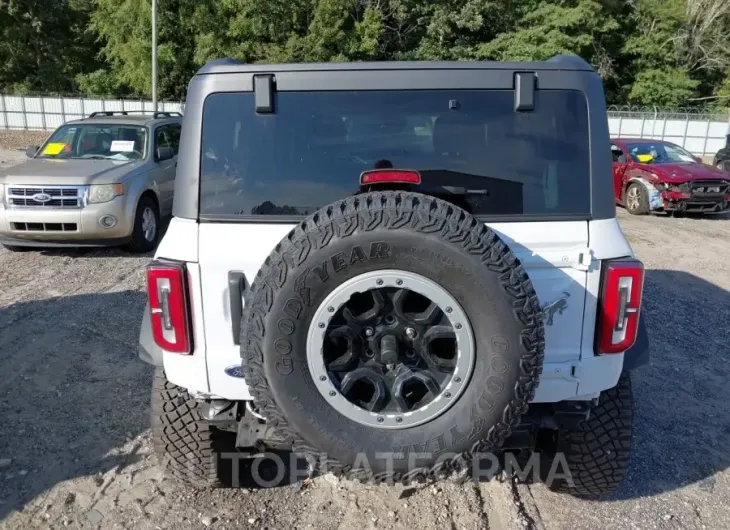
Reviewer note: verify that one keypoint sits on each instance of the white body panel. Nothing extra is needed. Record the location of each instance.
(561, 258)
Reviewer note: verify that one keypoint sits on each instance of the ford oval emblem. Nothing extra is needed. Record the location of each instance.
(41, 197)
(234, 371)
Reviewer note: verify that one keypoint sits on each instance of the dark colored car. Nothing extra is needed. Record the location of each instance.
(656, 175)
(722, 157)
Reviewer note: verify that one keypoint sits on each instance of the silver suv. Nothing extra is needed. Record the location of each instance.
(105, 180)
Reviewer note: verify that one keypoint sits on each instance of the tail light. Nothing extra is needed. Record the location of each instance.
(619, 305)
(167, 295)
(390, 176)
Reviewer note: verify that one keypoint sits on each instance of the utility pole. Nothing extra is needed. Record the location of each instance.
(154, 55)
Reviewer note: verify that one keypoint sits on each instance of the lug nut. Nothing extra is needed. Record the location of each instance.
(369, 332)
(410, 333)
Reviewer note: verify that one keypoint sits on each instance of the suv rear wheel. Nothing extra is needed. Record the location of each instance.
(390, 324)
(596, 450)
(187, 447)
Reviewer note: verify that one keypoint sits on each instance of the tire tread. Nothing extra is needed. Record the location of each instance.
(393, 210)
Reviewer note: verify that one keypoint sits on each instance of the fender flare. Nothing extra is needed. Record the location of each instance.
(652, 192)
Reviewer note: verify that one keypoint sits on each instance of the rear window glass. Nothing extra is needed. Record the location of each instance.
(470, 147)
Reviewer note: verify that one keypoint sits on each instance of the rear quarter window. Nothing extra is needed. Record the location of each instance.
(470, 147)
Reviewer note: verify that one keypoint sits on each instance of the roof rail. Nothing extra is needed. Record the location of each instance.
(166, 114)
(155, 115)
(108, 113)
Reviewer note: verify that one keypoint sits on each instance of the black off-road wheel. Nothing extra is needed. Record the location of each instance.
(597, 450)
(146, 231)
(187, 447)
(391, 336)
(636, 200)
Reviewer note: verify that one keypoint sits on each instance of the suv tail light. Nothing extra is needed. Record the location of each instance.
(167, 295)
(618, 308)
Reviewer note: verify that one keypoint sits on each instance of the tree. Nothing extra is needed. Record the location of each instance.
(43, 46)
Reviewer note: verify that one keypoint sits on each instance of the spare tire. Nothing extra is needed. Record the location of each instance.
(393, 333)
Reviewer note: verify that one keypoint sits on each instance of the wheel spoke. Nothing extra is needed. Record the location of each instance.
(366, 388)
(412, 388)
(439, 349)
(340, 349)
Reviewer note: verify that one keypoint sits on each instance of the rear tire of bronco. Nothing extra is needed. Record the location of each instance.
(146, 231)
(187, 447)
(597, 450)
(342, 362)
(636, 200)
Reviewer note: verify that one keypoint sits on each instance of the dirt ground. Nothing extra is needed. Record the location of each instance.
(75, 447)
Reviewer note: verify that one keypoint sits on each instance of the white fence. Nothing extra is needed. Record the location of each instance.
(46, 113)
(701, 134)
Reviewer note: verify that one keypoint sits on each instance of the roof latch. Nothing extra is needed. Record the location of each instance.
(525, 83)
(263, 88)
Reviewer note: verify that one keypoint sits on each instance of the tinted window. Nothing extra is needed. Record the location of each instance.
(471, 147)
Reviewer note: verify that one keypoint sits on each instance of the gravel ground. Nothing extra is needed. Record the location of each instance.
(75, 447)
(15, 140)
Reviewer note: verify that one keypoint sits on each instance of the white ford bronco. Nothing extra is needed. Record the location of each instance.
(393, 268)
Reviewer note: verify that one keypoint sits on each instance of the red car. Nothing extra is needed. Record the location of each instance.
(655, 175)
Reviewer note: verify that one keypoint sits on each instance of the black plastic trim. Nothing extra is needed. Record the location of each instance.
(638, 354)
(69, 243)
(525, 85)
(263, 88)
(148, 351)
(236, 288)
(288, 219)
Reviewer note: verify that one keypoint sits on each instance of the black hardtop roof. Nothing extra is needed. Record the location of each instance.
(559, 62)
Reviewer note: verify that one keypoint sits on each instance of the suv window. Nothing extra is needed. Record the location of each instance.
(169, 136)
(470, 146)
(80, 140)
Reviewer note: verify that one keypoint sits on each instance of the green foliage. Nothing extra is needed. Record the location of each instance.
(649, 52)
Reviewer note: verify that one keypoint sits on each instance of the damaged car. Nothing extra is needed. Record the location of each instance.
(656, 175)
